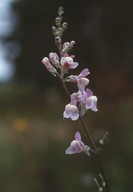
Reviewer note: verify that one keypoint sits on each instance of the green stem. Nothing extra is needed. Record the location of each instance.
(97, 154)
(91, 141)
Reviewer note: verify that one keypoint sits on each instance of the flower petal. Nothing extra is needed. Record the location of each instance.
(77, 136)
(73, 65)
(84, 73)
(67, 112)
(82, 82)
(69, 150)
(89, 92)
(71, 111)
(91, 103)
(75, 114)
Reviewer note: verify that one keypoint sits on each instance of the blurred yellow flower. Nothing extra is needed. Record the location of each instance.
(21, 124)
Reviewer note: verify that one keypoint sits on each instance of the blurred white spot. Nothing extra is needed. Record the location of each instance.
(6, 70)
(87, 179)
(8, 51)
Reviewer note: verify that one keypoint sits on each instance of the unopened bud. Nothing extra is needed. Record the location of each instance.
(60, 11)
(100, 189)
(58, 21)
(54, 29)
(46, 62)
(54, 59)
(103, 182)
(57, 40)
(72, 43)
(103, 138)
(66, 45)
(64, 25)
(48, 66)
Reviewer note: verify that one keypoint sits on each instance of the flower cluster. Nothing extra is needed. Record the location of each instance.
(59, 66)
(53, 63)
(83, 99)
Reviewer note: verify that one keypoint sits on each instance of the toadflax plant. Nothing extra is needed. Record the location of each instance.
(60, 65)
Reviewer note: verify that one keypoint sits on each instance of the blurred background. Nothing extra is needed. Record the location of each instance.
(33, 134)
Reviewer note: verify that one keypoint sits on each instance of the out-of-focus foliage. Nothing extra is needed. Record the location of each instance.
(33, 134)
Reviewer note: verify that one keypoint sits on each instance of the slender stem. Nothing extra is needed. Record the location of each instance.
(97, 154)
(65, 88)
(91, 140)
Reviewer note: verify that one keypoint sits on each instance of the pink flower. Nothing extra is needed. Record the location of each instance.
(71, 110)
(84, 73)
(75, 78)
(77, 146)
(90, 100)
(82, 82)
(48, 66)
(54, 59)
(91, 103)
(67, 63)
(86, 101)
(80, 79)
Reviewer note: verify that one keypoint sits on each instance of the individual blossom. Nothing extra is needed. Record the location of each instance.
(48, 66)
(77, 146)
(71, 110)
(80, 79)
(86, 101)
(84, 73)
(91, 100)
(82, 83)
(67, 63)
(91, 103)
(75, 78)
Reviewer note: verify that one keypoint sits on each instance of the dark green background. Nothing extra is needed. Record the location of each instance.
(33, 135)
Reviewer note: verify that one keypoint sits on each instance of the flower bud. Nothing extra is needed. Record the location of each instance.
(72, 43)
(54, 30)
(60, 11)
(48, 66)
(66, 45)
(57, 40)
(54, 59)
(64, 25)
(58, 21)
